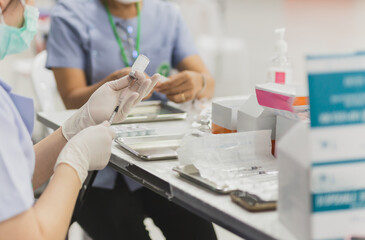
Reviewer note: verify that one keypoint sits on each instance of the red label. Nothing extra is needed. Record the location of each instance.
(280, 77)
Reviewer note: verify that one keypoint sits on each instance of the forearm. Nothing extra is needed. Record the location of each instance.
(50, 216)
(78, 97)
(196, 65)
(46, 154)
(73, 88)
(206, 91)
(54, 208)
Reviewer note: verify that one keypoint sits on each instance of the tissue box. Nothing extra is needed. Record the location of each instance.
(252, 117)
(224, 114)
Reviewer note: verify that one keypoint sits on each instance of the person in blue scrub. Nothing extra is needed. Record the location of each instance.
(83, 143)
(94, 41)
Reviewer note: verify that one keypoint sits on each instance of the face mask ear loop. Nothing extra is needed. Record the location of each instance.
(2, 21)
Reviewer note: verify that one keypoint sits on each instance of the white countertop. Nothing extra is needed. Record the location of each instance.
(207, 202)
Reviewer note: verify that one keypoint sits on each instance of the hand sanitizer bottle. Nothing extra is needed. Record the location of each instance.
(280, 69)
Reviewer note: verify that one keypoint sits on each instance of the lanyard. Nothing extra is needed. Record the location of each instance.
(117, 37)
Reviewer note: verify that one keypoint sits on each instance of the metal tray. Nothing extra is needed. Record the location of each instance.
(152, 111)
(157, 147)
(191, 173)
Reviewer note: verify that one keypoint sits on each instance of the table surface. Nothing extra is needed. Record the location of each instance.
(159, 177)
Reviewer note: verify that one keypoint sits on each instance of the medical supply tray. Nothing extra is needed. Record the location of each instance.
(154, 147)
(153, 111)
(191, 173)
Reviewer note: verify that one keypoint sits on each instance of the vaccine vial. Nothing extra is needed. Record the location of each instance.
(139, 65)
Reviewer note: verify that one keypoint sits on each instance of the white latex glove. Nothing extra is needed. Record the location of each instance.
(103, 101)
(88, 150)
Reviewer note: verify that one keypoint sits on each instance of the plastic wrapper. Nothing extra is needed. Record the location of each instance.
(133, 130)
(240, 160)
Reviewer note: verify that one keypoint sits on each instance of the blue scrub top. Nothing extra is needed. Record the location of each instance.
(17, 159)
(81, 37)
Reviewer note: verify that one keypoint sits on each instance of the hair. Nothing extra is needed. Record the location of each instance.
(7, 6)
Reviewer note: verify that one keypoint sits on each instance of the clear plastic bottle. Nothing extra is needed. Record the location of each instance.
(280, 68)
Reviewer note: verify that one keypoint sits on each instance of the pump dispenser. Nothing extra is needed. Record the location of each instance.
(280, 69)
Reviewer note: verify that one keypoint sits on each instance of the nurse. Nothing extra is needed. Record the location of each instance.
(94, 41)
(83, 143)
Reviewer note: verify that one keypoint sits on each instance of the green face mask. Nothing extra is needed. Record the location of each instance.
(15, 40)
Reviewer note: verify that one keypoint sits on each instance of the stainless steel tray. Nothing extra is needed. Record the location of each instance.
(157, 147)
(152, 111)
(191, 173)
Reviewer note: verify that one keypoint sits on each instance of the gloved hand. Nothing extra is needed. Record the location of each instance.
(103, 101)
(88, 150)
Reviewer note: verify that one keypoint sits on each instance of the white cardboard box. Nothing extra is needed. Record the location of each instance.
(294, 193)
(321, 201)
(283, 125)
(224, 111)
(253, 117)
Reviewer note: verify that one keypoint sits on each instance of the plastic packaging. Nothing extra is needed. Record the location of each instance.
(133, 130)
(238, 160)
(280, 68)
